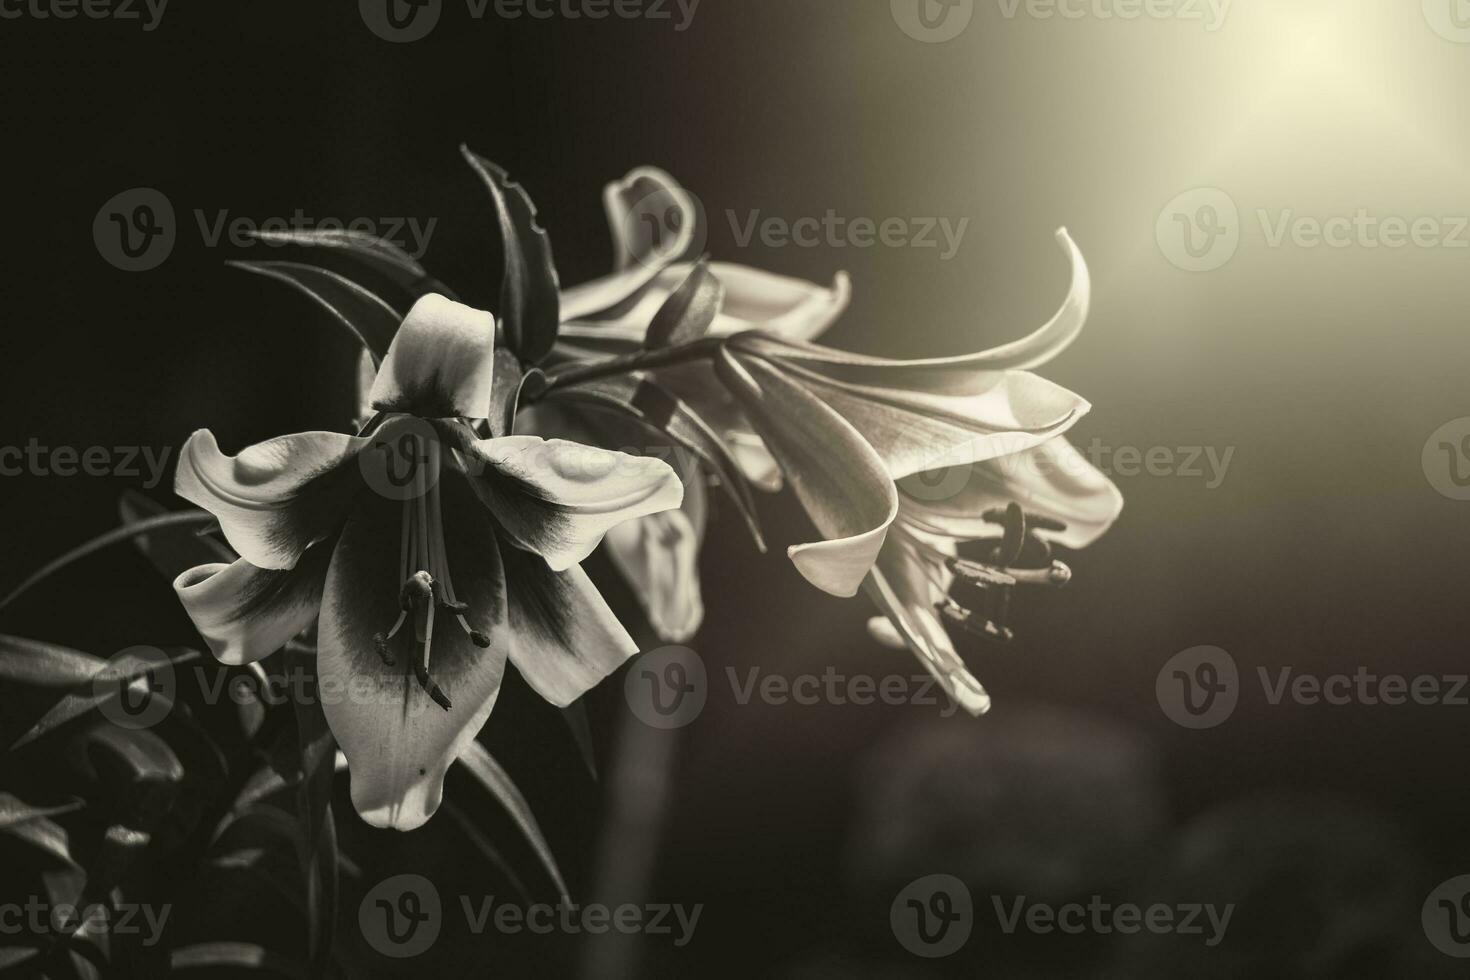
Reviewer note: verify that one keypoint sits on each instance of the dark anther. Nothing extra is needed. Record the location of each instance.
(432, 689)
(981, 599)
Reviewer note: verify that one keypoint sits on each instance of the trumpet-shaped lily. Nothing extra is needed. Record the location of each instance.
(844, 427)
(431, 555)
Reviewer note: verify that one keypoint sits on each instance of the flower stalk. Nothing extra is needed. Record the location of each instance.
(641, 360)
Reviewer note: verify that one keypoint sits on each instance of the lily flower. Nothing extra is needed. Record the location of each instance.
(655, 225)
(1048, 494)
(431, 555)
(653, 222)
(845, 427)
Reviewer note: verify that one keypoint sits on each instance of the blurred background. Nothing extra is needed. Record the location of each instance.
(1188, 150)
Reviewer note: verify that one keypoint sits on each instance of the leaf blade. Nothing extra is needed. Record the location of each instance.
(530, 290)
(367, 316)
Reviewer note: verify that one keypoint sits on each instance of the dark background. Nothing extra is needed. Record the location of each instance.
(1325, 547)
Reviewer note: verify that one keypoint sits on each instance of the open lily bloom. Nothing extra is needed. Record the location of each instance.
(916, 568)
(892, 419)
(431, 554)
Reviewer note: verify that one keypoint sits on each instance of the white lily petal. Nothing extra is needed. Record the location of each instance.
(441, 362)
(564, 638)
(276, 498)
(793, 309)
(839, 479)
(653, 223)
(557, 499)
(659, 556)
(246, 613)
(398, 742)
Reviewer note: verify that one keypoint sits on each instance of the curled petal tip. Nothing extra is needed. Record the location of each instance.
(968, 692)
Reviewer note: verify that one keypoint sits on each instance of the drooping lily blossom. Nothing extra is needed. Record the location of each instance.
(844, 426)
(432, 555)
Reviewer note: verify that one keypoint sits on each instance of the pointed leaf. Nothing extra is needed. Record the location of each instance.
(688, 312)
(530, 300)
(477, 759)
(47, 837)
(371, 320)
(38, 664)
(127, 532)
(372, 253)
(107, 680)
(14, 810)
